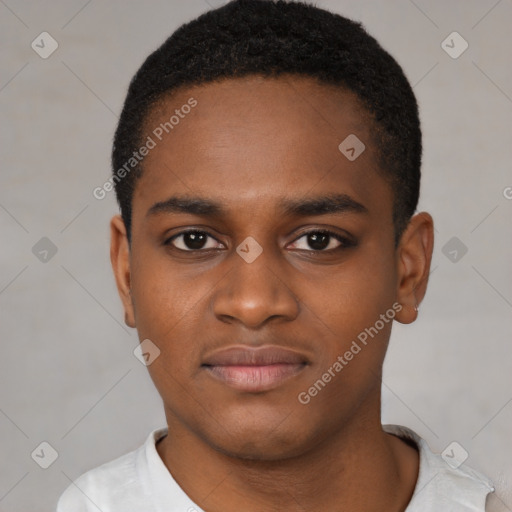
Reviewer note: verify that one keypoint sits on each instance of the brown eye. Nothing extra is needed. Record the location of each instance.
(192, 240)
(322, 241)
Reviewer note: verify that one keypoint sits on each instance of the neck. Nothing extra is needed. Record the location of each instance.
(359, 467)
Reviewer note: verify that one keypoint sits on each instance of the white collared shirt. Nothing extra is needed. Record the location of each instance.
(139, 481)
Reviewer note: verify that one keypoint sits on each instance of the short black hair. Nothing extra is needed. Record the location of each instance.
(271, 38)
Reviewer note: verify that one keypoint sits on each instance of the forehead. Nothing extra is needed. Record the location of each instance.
(255, 138)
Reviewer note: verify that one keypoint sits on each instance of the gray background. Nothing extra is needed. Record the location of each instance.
(68, 373)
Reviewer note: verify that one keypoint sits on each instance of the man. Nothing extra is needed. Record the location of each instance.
(267, 167)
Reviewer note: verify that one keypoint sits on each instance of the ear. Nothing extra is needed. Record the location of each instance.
(413, 258)
(120, 258)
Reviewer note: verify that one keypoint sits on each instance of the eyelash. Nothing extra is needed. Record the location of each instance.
(344, 241)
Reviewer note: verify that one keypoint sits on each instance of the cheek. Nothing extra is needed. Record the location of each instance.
(353, 345)
(354, 295)
(346, 309)
(162, 294)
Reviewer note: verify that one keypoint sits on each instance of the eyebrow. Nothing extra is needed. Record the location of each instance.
(321, 205)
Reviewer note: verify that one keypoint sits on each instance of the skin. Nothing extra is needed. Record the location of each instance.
(247, 144)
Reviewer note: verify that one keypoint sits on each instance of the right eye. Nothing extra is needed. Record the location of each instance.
(191, 240)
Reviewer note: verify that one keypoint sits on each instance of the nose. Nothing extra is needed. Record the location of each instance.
(253, 293)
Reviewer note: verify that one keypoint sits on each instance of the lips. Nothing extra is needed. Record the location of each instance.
(254, 369)
(247, 356)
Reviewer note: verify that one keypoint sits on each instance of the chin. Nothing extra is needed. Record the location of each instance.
(265, 450)
(262, 442)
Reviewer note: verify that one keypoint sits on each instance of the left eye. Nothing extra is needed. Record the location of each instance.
(322, 241)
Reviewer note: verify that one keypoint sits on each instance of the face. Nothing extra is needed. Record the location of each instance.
(260, 256)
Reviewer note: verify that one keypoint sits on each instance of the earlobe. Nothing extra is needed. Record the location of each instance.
(120, 259)
(413, 258)
(408, 314)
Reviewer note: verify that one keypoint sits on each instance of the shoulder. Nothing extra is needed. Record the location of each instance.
(444, 481)
(115, 485)
(99, 487)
